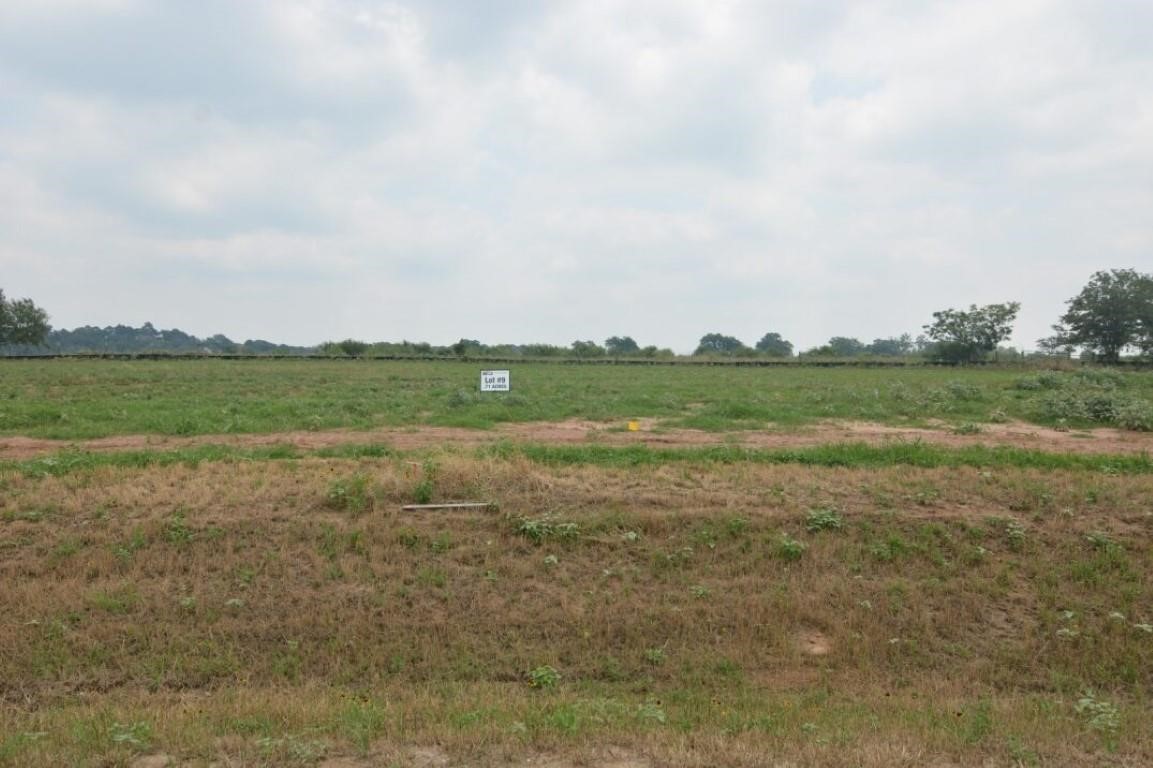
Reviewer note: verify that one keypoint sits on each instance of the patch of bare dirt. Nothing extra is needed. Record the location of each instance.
(1016, 434)
(813, 643)
(612, 758)
(153, 761)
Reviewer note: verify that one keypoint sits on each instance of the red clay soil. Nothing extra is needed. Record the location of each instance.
(1017, 434)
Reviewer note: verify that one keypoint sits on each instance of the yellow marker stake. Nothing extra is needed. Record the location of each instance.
(634, 426)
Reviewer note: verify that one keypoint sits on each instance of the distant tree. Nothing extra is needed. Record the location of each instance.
(621, 345)
(543, 350)
(773, 345)
(718, 344)
(587, 349)
(222, 344)
(894, 346)
(1112, 312)
(966, 335)
(465, 346)
(22, 322)
(843, 346)
(348, 347)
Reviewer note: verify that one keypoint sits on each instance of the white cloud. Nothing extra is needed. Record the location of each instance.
(578, 169)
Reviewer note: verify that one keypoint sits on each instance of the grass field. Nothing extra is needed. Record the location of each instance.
(72, 399)
(629, 605)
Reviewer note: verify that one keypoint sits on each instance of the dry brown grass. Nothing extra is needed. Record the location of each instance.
(289, 612)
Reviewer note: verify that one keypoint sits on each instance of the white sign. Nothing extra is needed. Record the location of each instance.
(495, 381)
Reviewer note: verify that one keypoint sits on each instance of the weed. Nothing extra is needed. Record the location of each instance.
(967, 428)
(122, 600)
(432, 577)
(789, 548)
(177, 531)
(979, 723)
(409, 539)
(699, 591)
(543, 677)
(138, 736)
(542, 528)
(655, 656)
(424, 490)
(1015, 535)
(890, 549)
(823, 519)
(1102, 542)
(1100, 715)
(735, 527)
(360, 722)
(292, 749)
(652, 711)
(678, 558)
(66, 549)
(350, 494)
(927, 496)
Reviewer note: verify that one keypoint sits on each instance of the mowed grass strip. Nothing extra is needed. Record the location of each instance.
(507, 724)
(895, 453)
(79, 399)
(284, 611)
(891, 454)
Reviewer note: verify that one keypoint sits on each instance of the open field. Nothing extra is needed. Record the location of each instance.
(79, 399)
(812, 594)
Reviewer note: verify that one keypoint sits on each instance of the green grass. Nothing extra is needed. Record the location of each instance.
(78, 399)
(856, 455)
(847, 455)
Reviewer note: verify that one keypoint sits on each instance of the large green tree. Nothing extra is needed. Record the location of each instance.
(587, 349)
(621, 345)
(774, 345)
(1112, 312)
(22, 322)
(719, 344)
(894, 346)
(967, 335)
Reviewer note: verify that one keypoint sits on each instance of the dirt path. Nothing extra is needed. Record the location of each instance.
(1015, 434)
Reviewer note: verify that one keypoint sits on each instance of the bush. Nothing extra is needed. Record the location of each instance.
(962, 390)
(823, 520)
(789, 548)
(1136, 415)
(1042, 380)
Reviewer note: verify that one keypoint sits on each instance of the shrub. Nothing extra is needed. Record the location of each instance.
(1042, 380)
(789, 548)
(822, 519)
(962, 390)
(1136, 415)
(541, 528)
(543, 677)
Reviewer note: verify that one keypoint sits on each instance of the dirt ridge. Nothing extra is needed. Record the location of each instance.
(1015, 434)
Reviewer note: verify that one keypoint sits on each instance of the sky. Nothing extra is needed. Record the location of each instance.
(547, 171)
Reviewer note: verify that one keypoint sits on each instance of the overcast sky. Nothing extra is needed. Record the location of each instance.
(526, 170)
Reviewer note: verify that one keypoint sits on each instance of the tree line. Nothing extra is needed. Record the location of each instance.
(1112, 314)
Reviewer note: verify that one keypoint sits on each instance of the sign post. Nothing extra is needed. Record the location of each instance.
(495, 381)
